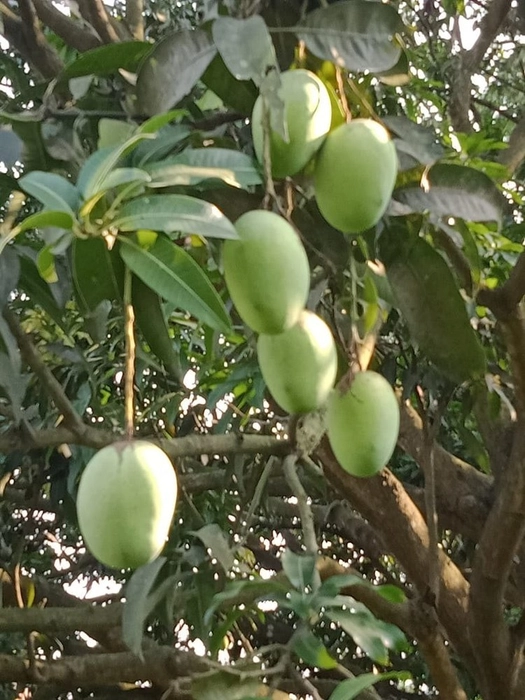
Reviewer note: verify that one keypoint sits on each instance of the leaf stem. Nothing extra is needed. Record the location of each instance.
(129, 367)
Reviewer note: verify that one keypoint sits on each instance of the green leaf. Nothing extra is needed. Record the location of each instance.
(112, 132)
(415, 143)
(125, 55)
(351, 688)
(59, 219)
(172, 69)
(9, 273)
(245, 46)
(175, 276)
(139, 604)
(247, 590)
(240, 95)
(174, 213)
(222, 685)
(153, 124)
(151, 322)
(195, 165)
(8, 342)
(165, 142)
(357, 35)
(38, 290)
(299, 568)
(14, 384)
(45, 263)
(53, 191)
(97, 168)
(453, 190)
(374, 636)
(125, 176)
(311, 650)
(11, 147)
(215, 540)
(426, 293)
(94, 275)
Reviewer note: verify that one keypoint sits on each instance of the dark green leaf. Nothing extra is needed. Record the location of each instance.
(215, 540)
(172, 69)
(94, 275)
(299, 568)
(165, 142)
(53, 191)
(45, 263)
(11, 147)
(245, 46)
(174, 213)
(138, 604)
(414, 140)
(38, 290)
(374, 636)
(175, 276)
(453, 190)
(126, 55)
(14, 384)
(357, 35)
(9, 274)
(311, 650)
(151, 321)
(237, 94)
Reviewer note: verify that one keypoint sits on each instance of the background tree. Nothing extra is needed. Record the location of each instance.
(283, 574)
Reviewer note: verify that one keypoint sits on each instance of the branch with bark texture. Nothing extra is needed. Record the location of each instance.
(78, 36)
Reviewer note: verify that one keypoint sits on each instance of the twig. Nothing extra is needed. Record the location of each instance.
(71, 31)
(95, 13)
(307, 519)
(43, 56)
(134, 18)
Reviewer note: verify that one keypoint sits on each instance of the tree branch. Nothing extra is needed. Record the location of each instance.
(134, 19)
(503, 300)
(42, 55)
(72, 32)
(95, 13)
(89, 618)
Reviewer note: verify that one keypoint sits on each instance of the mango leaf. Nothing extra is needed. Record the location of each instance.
(139, 604)
(165, 142)
(311, 650)
(414, 143)
(38, 290)
(240, 95)
(97, 168)
(214, 539)
(453, 190)
(112, 132)
(333, 585)
(245, 46)
(351, 688)
(94, 275)
(11, 147)
(125, 176)
(356, 34)
(9, 343)
(60, 219)
(14, 384)
(45, 264)
(172, 69)
(153, 124)
(53, 191)
(195, 165)
(247, 589)
(125, 55)
(175, 276)
(374, 636)
(174, 213)
(9, 274)
(151, 322)
(299, 568)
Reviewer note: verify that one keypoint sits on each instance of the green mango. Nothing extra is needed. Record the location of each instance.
(266, 272)
(299, 366)
(307, 114)
(426, 293)
(126, 502)
(355, 174)
(363, 424)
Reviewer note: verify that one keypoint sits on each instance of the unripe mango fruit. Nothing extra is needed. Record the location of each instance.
(363, 424)
(125, 503)
(266, 272)
(307, 114)
(355, 174)
(299, 366)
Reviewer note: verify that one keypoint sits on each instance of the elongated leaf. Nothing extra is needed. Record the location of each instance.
(299, 568)
(152, 323)
(215, 540)
(11, 147)
(414, 140)
(45, 263)
(94, 275)
(9, 274)
(175, 276)
(453, 190)
(245, 46)
(165, 142)
(125, 55)
(374, 636)
(58, 219)
(98, 167)
(138, 604)
(311, 650)
(240, 95)
(11, 346)
(174, 213)
(38, 290)
(55, 192)
(356, 34)
(112, 132)
(125, 176)
(14, 384)
(172, 69)
(351, 688)
(195, 165)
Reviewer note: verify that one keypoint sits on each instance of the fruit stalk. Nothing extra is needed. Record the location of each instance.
(129, 366)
